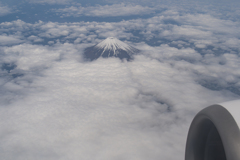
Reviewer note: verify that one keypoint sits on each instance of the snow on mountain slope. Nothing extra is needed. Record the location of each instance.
(110, 47)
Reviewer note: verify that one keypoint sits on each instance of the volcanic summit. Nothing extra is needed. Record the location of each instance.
(110, 47)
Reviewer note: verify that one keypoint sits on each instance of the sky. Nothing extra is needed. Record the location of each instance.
(54, 105)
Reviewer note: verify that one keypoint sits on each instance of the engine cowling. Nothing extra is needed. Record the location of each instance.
(214, 133)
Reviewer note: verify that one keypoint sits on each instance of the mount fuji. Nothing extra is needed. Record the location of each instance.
(110, 47)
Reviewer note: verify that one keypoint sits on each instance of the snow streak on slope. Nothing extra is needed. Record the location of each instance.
(110, 47)
(114, 44)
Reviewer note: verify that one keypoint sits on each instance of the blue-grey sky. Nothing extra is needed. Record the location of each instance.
(54, 105)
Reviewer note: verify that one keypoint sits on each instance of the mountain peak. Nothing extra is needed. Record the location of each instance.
(110, 47)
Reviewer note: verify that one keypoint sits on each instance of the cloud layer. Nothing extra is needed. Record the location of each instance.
(54, 105)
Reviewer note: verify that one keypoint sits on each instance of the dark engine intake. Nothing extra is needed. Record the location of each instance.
(214, 133)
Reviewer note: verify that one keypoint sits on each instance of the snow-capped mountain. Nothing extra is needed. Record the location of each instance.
(110, 47)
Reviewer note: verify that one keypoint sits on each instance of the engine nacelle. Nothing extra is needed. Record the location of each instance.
(214, 133)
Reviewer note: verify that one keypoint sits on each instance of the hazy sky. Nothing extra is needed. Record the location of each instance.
(56, 106)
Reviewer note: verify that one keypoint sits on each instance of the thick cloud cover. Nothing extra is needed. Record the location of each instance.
(54, 105)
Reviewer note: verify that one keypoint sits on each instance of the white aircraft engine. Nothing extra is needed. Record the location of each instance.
(214, 133)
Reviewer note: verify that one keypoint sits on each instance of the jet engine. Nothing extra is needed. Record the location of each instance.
(214, 133)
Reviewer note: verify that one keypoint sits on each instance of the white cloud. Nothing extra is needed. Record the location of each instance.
(34, 38)
(187, 31)
(50, 1)
(9, 40)
(30, 57)
(233, 42)
(106, 109)
(105, 11)
(165, 52)
(4, 10)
